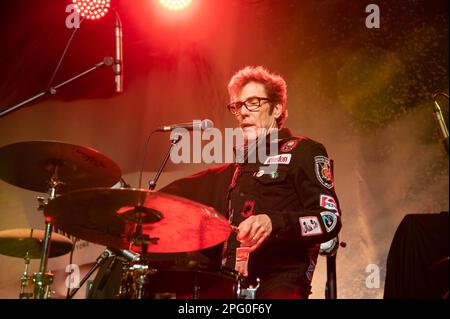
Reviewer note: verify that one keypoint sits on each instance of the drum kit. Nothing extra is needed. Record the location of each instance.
(81, 202)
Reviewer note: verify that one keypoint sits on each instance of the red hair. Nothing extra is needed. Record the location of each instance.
(274, 84)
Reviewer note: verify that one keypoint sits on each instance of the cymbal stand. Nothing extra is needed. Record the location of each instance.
(24, 279)
(136, 277)
(43, 279)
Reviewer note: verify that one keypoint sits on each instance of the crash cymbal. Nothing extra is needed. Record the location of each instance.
(108, 217)
(30, 165)
(17, 242)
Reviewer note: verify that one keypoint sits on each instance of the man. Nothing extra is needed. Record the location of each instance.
(281, 215)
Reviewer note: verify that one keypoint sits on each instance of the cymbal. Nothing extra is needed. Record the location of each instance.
(104, 216)
(17, 242)
(30, 165)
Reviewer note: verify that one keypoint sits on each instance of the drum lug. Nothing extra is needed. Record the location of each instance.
(247, 293)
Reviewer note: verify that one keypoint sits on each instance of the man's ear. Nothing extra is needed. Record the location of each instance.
(277, 110)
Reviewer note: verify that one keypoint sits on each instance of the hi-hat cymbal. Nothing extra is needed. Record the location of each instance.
(31, 164)
(18, 242)
(108, 217)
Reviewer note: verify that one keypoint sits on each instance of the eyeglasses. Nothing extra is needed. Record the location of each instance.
(252, 104)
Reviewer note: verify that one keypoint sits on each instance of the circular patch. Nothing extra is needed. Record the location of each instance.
(260, 173)
(288, 146)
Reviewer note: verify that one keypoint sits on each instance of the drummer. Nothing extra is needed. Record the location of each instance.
(281, 215)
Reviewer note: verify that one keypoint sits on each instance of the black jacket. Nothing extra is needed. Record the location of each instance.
(299, 197)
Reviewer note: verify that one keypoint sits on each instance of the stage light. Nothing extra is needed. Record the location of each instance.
(175, 5)
(92, 9)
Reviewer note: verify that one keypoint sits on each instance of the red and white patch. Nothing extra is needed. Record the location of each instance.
(310, 226)
(288, 146)
(278, 159)
(328, 202)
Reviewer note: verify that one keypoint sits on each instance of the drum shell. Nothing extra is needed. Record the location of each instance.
(182, 279)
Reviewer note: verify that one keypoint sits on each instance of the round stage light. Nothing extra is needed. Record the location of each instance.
(92, 9)
(175, 5)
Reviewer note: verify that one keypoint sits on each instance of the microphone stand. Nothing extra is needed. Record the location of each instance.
(329, 249)
(108, 61)
(99, 262)
(176, 138)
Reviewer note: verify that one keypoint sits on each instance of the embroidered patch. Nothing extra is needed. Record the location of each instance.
(278, 159)
(323, 171)
(288, 146)
(248, 209)
(329, 219)
(328, 202)
(310, 226)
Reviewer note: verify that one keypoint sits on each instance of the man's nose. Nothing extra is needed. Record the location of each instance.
(244, 111)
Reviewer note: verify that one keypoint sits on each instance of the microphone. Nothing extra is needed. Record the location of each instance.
(127, 254)
(194, 125)
(107, 60)
(118, 63)
(440, 120)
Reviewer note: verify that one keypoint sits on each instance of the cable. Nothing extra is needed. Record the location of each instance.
(70, 263)
(62, 57)
(144, 158)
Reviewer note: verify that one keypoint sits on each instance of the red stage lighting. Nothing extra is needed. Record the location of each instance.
(175, 5)
(92, 9)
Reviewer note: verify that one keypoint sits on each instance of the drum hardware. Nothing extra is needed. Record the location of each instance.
(42, 280)
(99, 262)
(247, 293)
(182, 279)
(53, 168)
(28, 244)
(135, 280)
(24, 280)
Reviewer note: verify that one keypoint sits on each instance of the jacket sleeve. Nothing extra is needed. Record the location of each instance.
(319, 220)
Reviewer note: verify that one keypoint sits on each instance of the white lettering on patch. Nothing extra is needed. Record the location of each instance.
(278, 159)
(328, 202)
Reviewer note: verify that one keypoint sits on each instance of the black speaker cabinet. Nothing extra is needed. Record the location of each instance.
(417, 264)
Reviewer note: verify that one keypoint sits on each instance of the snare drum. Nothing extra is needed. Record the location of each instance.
(180, 280)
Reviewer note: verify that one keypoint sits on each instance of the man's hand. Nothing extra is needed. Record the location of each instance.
(253, 231)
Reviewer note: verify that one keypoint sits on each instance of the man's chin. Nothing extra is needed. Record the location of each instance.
(250, 133)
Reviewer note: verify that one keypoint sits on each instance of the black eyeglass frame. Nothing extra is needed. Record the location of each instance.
(250, 107)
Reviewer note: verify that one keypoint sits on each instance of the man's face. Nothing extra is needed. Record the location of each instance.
(251, 122)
